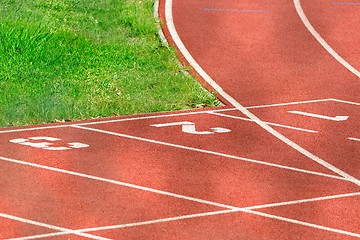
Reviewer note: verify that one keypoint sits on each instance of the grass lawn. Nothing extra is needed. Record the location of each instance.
(81, 59)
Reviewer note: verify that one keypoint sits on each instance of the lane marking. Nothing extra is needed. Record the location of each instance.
(233, 10)
(304, 201)
(164, 115)
(337, 118)
(189, 127)
(316, 226)
(346, 3)
(269, 123)
(189, 112)
(236, 104)
(214, 153)
(291, 103)
(112, 227)
(47, 145)
(172, 124)
(354, 139)
(192, 216)
(52, 227)
(323, 43)
(129, 185)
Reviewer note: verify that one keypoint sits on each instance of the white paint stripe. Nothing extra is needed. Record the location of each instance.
(336, 118)
(213, 153)
(211, 82)
(33, 129)
(342, 101)
(64, 230)
(290, 103)
(191, 112)
(303, 223)
(172, 124)
(117, 183)
(190, 216)
(303, 201)
(323, 43)
(269, 123)
(355, 139)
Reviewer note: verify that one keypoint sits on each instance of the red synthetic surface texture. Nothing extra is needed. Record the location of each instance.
(130, 172)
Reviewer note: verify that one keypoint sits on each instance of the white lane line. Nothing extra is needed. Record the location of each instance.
(236, 104)
(323, 43)
(63, 230)
(213, 153)
(304, 201)
(291, 103)
(191, 216)
(348, 102)
(189, 112)
(33, 129)
(354, 139)
(129, 185)
(345, 3)
(316, 226)
(269, 123)
(336, 118)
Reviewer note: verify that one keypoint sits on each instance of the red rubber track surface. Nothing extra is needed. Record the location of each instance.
(210, 173)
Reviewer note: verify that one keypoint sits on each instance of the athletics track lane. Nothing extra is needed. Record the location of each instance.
(138, 177)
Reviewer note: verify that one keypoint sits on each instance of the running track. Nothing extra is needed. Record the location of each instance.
(279, 161)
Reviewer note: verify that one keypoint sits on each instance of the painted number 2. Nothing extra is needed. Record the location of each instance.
(47, 144)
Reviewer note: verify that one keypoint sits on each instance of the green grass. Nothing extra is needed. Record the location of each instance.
(82, 59)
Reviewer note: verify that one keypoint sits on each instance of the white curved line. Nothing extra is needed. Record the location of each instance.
(237, 105)
(323, 43)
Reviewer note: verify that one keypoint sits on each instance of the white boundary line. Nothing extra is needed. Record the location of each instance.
(236, 104)
(323, 43)
(189, 112)
(303, 223)
(131, 224)
(110, 121)
(212, 153)
(63, 230)
(129, 185)
(269, 123)
(191, 216)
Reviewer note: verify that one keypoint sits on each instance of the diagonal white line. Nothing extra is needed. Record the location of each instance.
(236, 104)
(164, 115)
(290, 103)
(269, 123)
(130, 224)
(198, 215)
(303, 223)
(304, 201)
(323, 43)
(211, 152)
(63, 230)
(117, 183)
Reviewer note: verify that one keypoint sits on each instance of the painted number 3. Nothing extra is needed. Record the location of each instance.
(47, 144)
